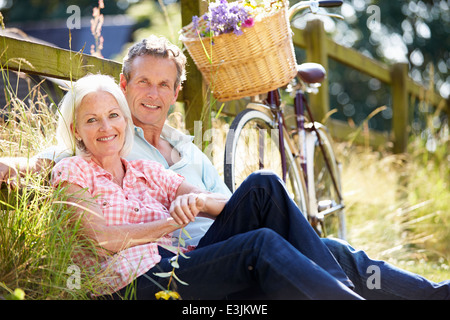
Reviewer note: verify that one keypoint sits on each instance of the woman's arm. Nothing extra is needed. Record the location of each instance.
(116, 237)
(191, 202)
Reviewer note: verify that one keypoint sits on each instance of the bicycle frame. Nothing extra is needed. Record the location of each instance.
(301, 107)
(300, 102)
(310, 136)
(274, 102)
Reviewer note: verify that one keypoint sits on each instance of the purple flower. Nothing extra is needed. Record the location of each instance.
(195, 21)
(223, 17)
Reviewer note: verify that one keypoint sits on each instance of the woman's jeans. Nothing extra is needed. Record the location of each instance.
(260, 243)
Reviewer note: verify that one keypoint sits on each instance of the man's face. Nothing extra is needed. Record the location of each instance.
(150, 90)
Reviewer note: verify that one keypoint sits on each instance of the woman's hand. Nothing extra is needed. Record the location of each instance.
(191, 201)
(186, 207)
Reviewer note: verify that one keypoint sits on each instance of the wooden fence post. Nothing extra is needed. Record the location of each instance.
(194, 90)
(400, 106)
(316, 51)
(447, 110)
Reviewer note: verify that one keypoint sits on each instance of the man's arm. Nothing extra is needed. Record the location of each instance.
(11, 169)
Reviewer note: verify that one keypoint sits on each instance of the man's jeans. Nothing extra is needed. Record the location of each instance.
(375, 279)
(260, 242)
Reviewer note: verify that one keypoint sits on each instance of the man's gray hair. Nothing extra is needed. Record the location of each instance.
(158, 47)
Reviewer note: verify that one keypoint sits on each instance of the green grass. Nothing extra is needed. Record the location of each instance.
(37, 236)
(38, 240)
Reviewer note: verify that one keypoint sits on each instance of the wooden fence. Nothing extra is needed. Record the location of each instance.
(44, 60)
(319, 48)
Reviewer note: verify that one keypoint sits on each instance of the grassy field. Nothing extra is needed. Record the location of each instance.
(397, 208)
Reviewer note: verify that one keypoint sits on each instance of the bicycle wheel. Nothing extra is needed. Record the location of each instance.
(325, 195)
(251, 145)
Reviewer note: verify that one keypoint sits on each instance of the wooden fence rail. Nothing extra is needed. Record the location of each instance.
(44, 60)
(58, 63)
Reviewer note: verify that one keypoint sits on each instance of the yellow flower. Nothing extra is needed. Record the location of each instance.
(167, 294)
(175, 295)
(249, 5)
(162, 295)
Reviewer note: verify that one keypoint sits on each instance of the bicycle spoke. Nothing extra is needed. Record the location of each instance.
(253, 144)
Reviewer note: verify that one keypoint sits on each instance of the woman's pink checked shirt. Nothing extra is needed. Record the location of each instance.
(148, 189)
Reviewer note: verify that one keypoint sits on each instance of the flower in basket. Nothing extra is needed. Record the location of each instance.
(232, 46)
(231, 17)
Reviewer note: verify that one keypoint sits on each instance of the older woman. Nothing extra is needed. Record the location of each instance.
(259, 241)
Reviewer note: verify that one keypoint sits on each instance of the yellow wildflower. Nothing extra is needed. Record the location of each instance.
(167, 294)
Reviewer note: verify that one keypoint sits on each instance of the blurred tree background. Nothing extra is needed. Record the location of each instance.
(20, 11)
(414, 31)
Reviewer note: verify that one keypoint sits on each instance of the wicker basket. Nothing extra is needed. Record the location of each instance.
(258, 61)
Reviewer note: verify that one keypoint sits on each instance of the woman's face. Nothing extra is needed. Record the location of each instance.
(101, 124)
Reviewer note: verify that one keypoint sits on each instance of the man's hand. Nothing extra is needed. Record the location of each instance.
(13, 169)
(186, 207)
(8, 175)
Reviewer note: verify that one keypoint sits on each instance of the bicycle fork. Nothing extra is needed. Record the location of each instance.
(316, 216)
(300, 96)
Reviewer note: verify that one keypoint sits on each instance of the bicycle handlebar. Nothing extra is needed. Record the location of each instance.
(314, 6)
(330, 3)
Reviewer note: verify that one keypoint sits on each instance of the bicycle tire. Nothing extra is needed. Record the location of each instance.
(324, 199)
(250, 131)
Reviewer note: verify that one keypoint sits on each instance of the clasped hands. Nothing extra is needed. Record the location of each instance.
(186, 207)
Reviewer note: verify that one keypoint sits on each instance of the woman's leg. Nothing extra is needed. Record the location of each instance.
(262, 201)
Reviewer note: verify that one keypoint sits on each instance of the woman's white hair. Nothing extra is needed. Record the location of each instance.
(71, 102)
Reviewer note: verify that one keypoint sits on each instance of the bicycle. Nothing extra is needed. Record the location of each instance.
(304, 157)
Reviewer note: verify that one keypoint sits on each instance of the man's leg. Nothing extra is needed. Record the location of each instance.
(262, 201)
(374, 279)
(259, 259)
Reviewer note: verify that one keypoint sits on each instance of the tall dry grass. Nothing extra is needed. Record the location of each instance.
(398, 206)
(37, 235)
